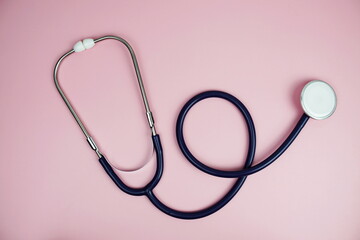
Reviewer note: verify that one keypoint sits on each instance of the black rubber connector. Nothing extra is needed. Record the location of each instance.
(240, 174)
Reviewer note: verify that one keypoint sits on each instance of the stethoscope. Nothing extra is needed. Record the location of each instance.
(318, 101)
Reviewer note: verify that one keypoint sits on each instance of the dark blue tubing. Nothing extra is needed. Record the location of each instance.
(240, 174)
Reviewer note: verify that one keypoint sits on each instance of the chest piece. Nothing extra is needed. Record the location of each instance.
(318, 99)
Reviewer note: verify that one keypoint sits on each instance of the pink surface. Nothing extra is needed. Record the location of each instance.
(263, 52)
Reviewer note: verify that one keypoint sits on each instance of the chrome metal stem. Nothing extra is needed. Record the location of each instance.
(140, 82)
(139, 78)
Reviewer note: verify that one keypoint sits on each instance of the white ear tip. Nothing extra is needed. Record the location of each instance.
(88, 43)
(79, 46)
(318, 99)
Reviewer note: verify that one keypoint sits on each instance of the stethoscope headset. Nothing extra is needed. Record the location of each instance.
(318, 101)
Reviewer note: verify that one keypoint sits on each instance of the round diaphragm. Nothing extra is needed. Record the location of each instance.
(318, 99)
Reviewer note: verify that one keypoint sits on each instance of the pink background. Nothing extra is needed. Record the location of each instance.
(51, 184)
